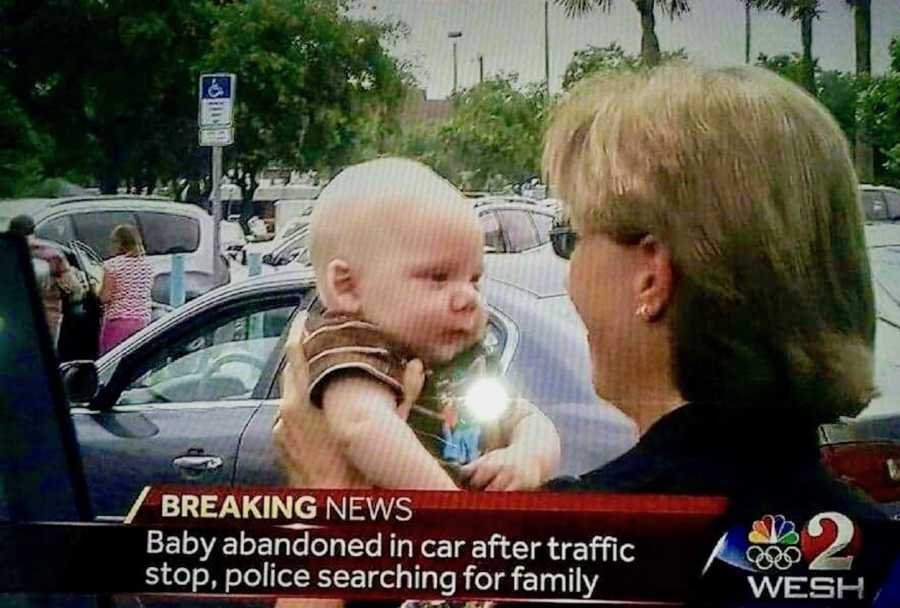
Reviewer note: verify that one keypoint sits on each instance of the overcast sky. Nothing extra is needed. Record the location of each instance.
(510, 35)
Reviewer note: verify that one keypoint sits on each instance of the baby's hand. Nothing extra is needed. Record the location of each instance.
(503, 469)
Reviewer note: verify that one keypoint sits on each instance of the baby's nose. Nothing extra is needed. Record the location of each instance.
(464, 298)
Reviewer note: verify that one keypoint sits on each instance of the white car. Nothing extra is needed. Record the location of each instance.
(166, 228)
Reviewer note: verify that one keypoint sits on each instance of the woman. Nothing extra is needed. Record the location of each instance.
(721, 273)
(127, 280)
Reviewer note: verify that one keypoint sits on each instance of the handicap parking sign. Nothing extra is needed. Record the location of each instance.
(216, 100)
(215, 86)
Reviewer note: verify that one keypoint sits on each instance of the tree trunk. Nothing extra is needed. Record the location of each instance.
(747, 31)
(112, 172)
(650, 55)
(862, 13)
(806, 35)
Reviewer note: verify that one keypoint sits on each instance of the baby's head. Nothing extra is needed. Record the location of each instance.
(394, 242)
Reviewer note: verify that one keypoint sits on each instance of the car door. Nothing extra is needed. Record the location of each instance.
(174, 409)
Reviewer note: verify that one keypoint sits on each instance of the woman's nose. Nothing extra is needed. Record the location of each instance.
(464, 298)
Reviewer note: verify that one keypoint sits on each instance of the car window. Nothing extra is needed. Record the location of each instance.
(519, 230)
(893, 205)
(873, 206)
(57, 229)
(221, 361)
(543, 223)
(95, 227)
(166, 233)
(493, 237)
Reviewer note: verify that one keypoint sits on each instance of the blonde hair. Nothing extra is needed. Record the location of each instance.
(127, 240)
(748, 180)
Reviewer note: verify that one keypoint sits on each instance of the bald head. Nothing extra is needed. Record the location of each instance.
(375, 202)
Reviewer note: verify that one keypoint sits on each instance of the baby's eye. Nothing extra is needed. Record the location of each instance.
(476, 279)
(438, 276)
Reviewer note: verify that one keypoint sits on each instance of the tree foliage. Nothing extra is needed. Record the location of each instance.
(879, 114)
(803, 12)
(114, 83)
(21, 162)
(607, 58)
(650, 51)
(493, 138)
(836, 90)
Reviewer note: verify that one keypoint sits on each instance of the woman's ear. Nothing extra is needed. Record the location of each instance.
(341, 293)
(656, 278)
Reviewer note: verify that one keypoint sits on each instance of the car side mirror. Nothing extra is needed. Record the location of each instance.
(79, 379)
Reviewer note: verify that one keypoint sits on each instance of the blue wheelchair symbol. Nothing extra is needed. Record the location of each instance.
(216, 87)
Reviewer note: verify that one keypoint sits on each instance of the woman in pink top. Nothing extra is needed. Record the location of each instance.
(127, 280)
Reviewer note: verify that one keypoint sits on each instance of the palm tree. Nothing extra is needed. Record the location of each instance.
(747, 5)
(650, 54)
(862, 17)
(804, 11)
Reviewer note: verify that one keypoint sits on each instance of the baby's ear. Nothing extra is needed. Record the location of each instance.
(340, 287)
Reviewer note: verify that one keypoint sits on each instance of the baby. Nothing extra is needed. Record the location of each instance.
(397, 253)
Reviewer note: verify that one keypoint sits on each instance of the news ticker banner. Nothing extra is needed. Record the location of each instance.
(379, 545)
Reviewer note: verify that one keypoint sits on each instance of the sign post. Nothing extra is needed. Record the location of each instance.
(217, 94)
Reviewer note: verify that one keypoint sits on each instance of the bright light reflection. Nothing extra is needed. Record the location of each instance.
(487, 399)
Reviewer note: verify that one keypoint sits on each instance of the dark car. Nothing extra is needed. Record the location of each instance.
(192, 398)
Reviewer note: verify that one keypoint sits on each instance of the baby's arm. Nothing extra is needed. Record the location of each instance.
(362, 413)
(527, 454)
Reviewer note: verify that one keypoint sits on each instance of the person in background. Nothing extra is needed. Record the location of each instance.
(61, 282)
(127, 281)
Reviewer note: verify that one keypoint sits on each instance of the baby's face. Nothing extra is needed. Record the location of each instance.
(422, 288)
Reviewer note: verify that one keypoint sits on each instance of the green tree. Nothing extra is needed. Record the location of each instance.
(109, 81)
(836, 90)
(493, 137)
(878, 114)
(607, 58)
(310, 84)
(804, 12)
(862, 29)
(21, 162)
(650, 52)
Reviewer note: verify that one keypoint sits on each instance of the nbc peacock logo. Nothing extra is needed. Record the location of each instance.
(829, 541)
(773, 543)
(828, 545)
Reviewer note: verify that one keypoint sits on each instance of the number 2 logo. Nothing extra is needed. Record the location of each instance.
(830, 541)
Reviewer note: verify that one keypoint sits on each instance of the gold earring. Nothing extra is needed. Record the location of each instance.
(643, 312)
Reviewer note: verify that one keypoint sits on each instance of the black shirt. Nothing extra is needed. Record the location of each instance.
(760, 458)
(764, 460)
